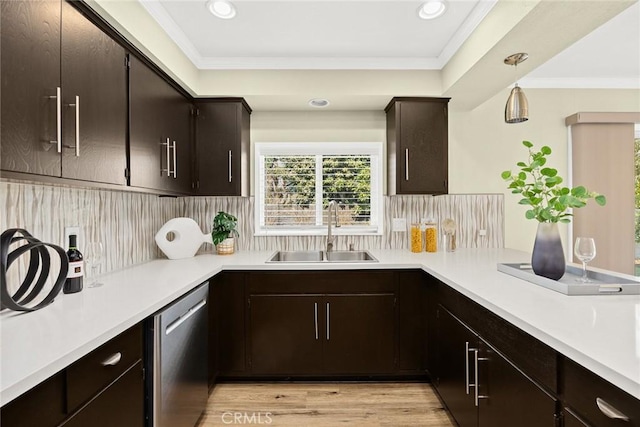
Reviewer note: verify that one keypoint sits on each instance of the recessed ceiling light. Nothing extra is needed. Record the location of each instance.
(319, 102)
(432, 9)
(221, 8)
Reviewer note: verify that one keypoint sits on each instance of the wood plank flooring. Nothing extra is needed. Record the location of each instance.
(325, 404)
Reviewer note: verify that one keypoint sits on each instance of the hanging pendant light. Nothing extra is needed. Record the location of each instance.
(517, 108)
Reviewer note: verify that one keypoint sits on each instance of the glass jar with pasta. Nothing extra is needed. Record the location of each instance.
(416, 238)
(431, 236)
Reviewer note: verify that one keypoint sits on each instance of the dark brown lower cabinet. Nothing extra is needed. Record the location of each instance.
(286, 334)
(572, 420)
(310, 335)
(480, 387)
(597, 401)
(413, 311)
(227, 326)
(120, 404)
(43, 405)
(104, 388)
(360, 334)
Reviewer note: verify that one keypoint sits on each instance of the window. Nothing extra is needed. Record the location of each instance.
(296, 181)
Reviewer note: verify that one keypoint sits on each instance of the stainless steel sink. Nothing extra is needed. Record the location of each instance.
(297, 256)
(350, 256)
(322, 256)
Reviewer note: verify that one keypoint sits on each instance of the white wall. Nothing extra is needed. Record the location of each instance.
(481, 145)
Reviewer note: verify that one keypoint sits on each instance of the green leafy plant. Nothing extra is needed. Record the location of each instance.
(542, 190)
(224, 225)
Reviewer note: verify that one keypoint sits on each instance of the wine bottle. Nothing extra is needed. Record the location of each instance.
(76, 267)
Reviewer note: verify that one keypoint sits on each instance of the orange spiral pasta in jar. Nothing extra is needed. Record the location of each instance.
(416, 238)
(431, 237)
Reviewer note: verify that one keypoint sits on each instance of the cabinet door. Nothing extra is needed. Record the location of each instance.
(42, 406)
(120, 404)
(572, 420)
(286, 334)
(179, 119)
(359, 334)
(228, 325)
(412, 311)
(150, 143)
(422, 147)
(94, 76)
(456, 344)
(30, 72)
(508, 396)
(222, 144)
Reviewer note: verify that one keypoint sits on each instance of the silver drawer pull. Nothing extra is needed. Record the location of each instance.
(610, 411)
(113, 360)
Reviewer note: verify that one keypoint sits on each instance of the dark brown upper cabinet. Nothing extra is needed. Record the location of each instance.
(417, 144)
(64, 94)
(160, 139)
(222, 147)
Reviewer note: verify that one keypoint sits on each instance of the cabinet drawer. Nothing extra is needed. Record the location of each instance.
(121, 404)
(322, 282)
(99, 368)
(591, 397)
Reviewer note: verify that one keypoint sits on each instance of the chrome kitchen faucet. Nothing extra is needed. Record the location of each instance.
(333, 206)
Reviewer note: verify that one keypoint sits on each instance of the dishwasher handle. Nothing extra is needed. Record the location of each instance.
(179, 321)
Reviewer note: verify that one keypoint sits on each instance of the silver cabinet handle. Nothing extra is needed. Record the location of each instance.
(328, 322)
(315, 317)
(58, 97)
(175, 155)
(113, 360)
(406, 164)
(76, 105)
(608, 410)
(168, 169)
(230, 177)
(466, 366)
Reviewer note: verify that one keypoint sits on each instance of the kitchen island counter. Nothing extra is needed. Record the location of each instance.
(601, 333)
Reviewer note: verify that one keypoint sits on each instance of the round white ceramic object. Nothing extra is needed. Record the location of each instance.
(187, 238)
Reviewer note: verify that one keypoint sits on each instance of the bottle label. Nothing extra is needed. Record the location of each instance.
(76, 269)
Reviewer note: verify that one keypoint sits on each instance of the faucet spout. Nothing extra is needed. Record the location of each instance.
(330, 237)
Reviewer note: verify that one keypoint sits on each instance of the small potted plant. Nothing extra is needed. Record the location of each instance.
(548, 202)
(224, 233)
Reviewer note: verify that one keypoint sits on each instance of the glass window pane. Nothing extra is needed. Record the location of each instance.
(347, 180)
(289, 191)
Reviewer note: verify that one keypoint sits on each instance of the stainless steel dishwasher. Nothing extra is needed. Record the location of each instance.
(177, 356)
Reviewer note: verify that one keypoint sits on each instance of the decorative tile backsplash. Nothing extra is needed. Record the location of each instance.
(472, 213)
(126, 222)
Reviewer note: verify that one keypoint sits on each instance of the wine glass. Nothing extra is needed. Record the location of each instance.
(94, 255)
(585, 250)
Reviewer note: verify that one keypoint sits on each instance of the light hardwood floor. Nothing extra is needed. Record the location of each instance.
(325, 404)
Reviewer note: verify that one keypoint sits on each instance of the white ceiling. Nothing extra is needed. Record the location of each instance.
(380, 34)
(318, 34)
(609, 57)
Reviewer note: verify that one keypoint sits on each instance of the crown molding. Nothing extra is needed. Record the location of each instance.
(579, 83)
(316, 63)
(479, 12)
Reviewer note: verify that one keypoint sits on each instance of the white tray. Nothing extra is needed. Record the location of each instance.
(601, 283)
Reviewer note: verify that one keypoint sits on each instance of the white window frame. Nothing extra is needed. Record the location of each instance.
(373, 149)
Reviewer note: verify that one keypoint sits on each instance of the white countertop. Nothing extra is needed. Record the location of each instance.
(601, 333)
